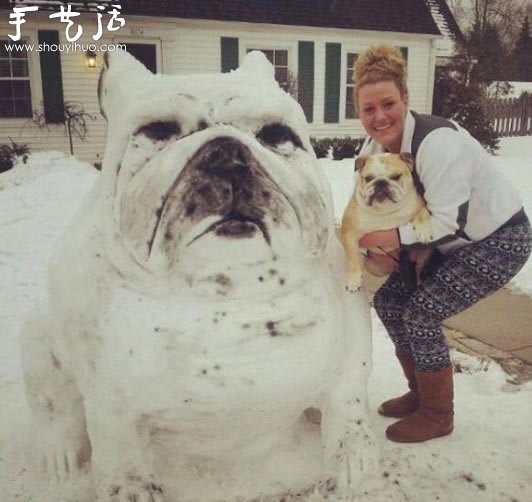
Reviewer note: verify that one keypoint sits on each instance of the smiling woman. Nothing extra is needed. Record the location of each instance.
(481, 238)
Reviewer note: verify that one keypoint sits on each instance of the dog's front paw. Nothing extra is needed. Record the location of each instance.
(423, 232)
(353, 282)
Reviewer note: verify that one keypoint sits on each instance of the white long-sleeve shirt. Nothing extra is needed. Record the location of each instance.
(468, 197)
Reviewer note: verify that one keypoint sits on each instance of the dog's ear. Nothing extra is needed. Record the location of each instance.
(360, 162)
(408, 159)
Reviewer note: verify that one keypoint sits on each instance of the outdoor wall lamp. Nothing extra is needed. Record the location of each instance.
(90, 56)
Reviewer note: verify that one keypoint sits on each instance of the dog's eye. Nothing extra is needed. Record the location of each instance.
(395, 177)
(160, 131)
(277, 134)
(367, 179)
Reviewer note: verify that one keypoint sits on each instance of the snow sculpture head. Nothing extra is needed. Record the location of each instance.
(211, 169)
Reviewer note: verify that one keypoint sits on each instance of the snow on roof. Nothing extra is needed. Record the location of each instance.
(447, 25)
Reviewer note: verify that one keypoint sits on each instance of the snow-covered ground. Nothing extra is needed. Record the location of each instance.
(518, 88)
(488, 457)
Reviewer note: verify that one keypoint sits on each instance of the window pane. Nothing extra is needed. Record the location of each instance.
(5, 68)
(3, 50)
(351, 59)
(281, 58)
(281, 74)
(20, 67)
(145, 53)
(22, 54)
(6, 89)
(22, 108)
(349, 77)
(269, 55)
(6, 108)
(349, 98)
(349, 111)
(21, 89)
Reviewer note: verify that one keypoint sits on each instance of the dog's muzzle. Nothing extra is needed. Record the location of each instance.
(380, 192)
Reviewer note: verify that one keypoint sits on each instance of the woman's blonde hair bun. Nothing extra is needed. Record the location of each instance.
(381, 63)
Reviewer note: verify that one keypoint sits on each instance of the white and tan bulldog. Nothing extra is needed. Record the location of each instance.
(196, 306)
(385, 197)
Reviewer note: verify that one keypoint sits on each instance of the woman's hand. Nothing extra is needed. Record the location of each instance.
(386, 239)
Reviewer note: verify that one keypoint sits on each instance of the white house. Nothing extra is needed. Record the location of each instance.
(312, 43)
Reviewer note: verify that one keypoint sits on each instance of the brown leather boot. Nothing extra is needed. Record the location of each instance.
(403, 406)
(434, 417)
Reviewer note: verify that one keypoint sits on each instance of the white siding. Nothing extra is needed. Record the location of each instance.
(80, 83)
(198, 50)
(189, 46)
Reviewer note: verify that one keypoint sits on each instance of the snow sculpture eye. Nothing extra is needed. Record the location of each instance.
(160, 131)
(278, 136)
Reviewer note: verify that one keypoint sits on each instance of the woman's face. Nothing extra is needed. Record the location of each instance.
(382, 110)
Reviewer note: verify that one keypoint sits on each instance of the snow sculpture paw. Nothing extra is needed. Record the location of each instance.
(134, 488)
(350, 452)
(63, 463)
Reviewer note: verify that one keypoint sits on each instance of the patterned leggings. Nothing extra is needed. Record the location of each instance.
(413, 318)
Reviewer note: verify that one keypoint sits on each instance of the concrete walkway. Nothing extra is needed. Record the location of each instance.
(498, 327)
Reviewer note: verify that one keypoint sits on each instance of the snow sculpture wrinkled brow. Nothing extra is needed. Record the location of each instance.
(197, 305)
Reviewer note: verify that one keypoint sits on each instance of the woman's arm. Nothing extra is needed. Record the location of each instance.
(446, 166)
(386, 239)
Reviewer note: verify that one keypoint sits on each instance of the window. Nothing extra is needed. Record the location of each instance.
(279, 59)
(145, 53)
(350, 109)
(15, 94)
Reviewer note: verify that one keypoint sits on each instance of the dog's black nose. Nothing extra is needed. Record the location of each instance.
(225, 158)
(381, 185)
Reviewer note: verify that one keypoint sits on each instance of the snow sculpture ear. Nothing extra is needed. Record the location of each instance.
(119, 73)
(257, 64)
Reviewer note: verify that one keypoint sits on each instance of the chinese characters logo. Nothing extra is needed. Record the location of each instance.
(73, 31)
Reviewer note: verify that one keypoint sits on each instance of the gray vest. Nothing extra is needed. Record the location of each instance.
(425, 124)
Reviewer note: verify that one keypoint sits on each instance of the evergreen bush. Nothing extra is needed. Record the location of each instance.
(8, 154)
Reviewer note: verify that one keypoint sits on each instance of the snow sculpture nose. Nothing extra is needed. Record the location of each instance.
(225, 158)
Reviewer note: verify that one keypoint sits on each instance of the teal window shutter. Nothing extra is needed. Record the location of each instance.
(229, 54)
(332, 82)
(52, 79)
(404, 53)
(305, 80)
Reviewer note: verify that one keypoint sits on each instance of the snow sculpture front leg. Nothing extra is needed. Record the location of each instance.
(60, 450)
(350, 448)
(122, 464)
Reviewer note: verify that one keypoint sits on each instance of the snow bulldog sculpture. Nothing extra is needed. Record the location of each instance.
(197, 307)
